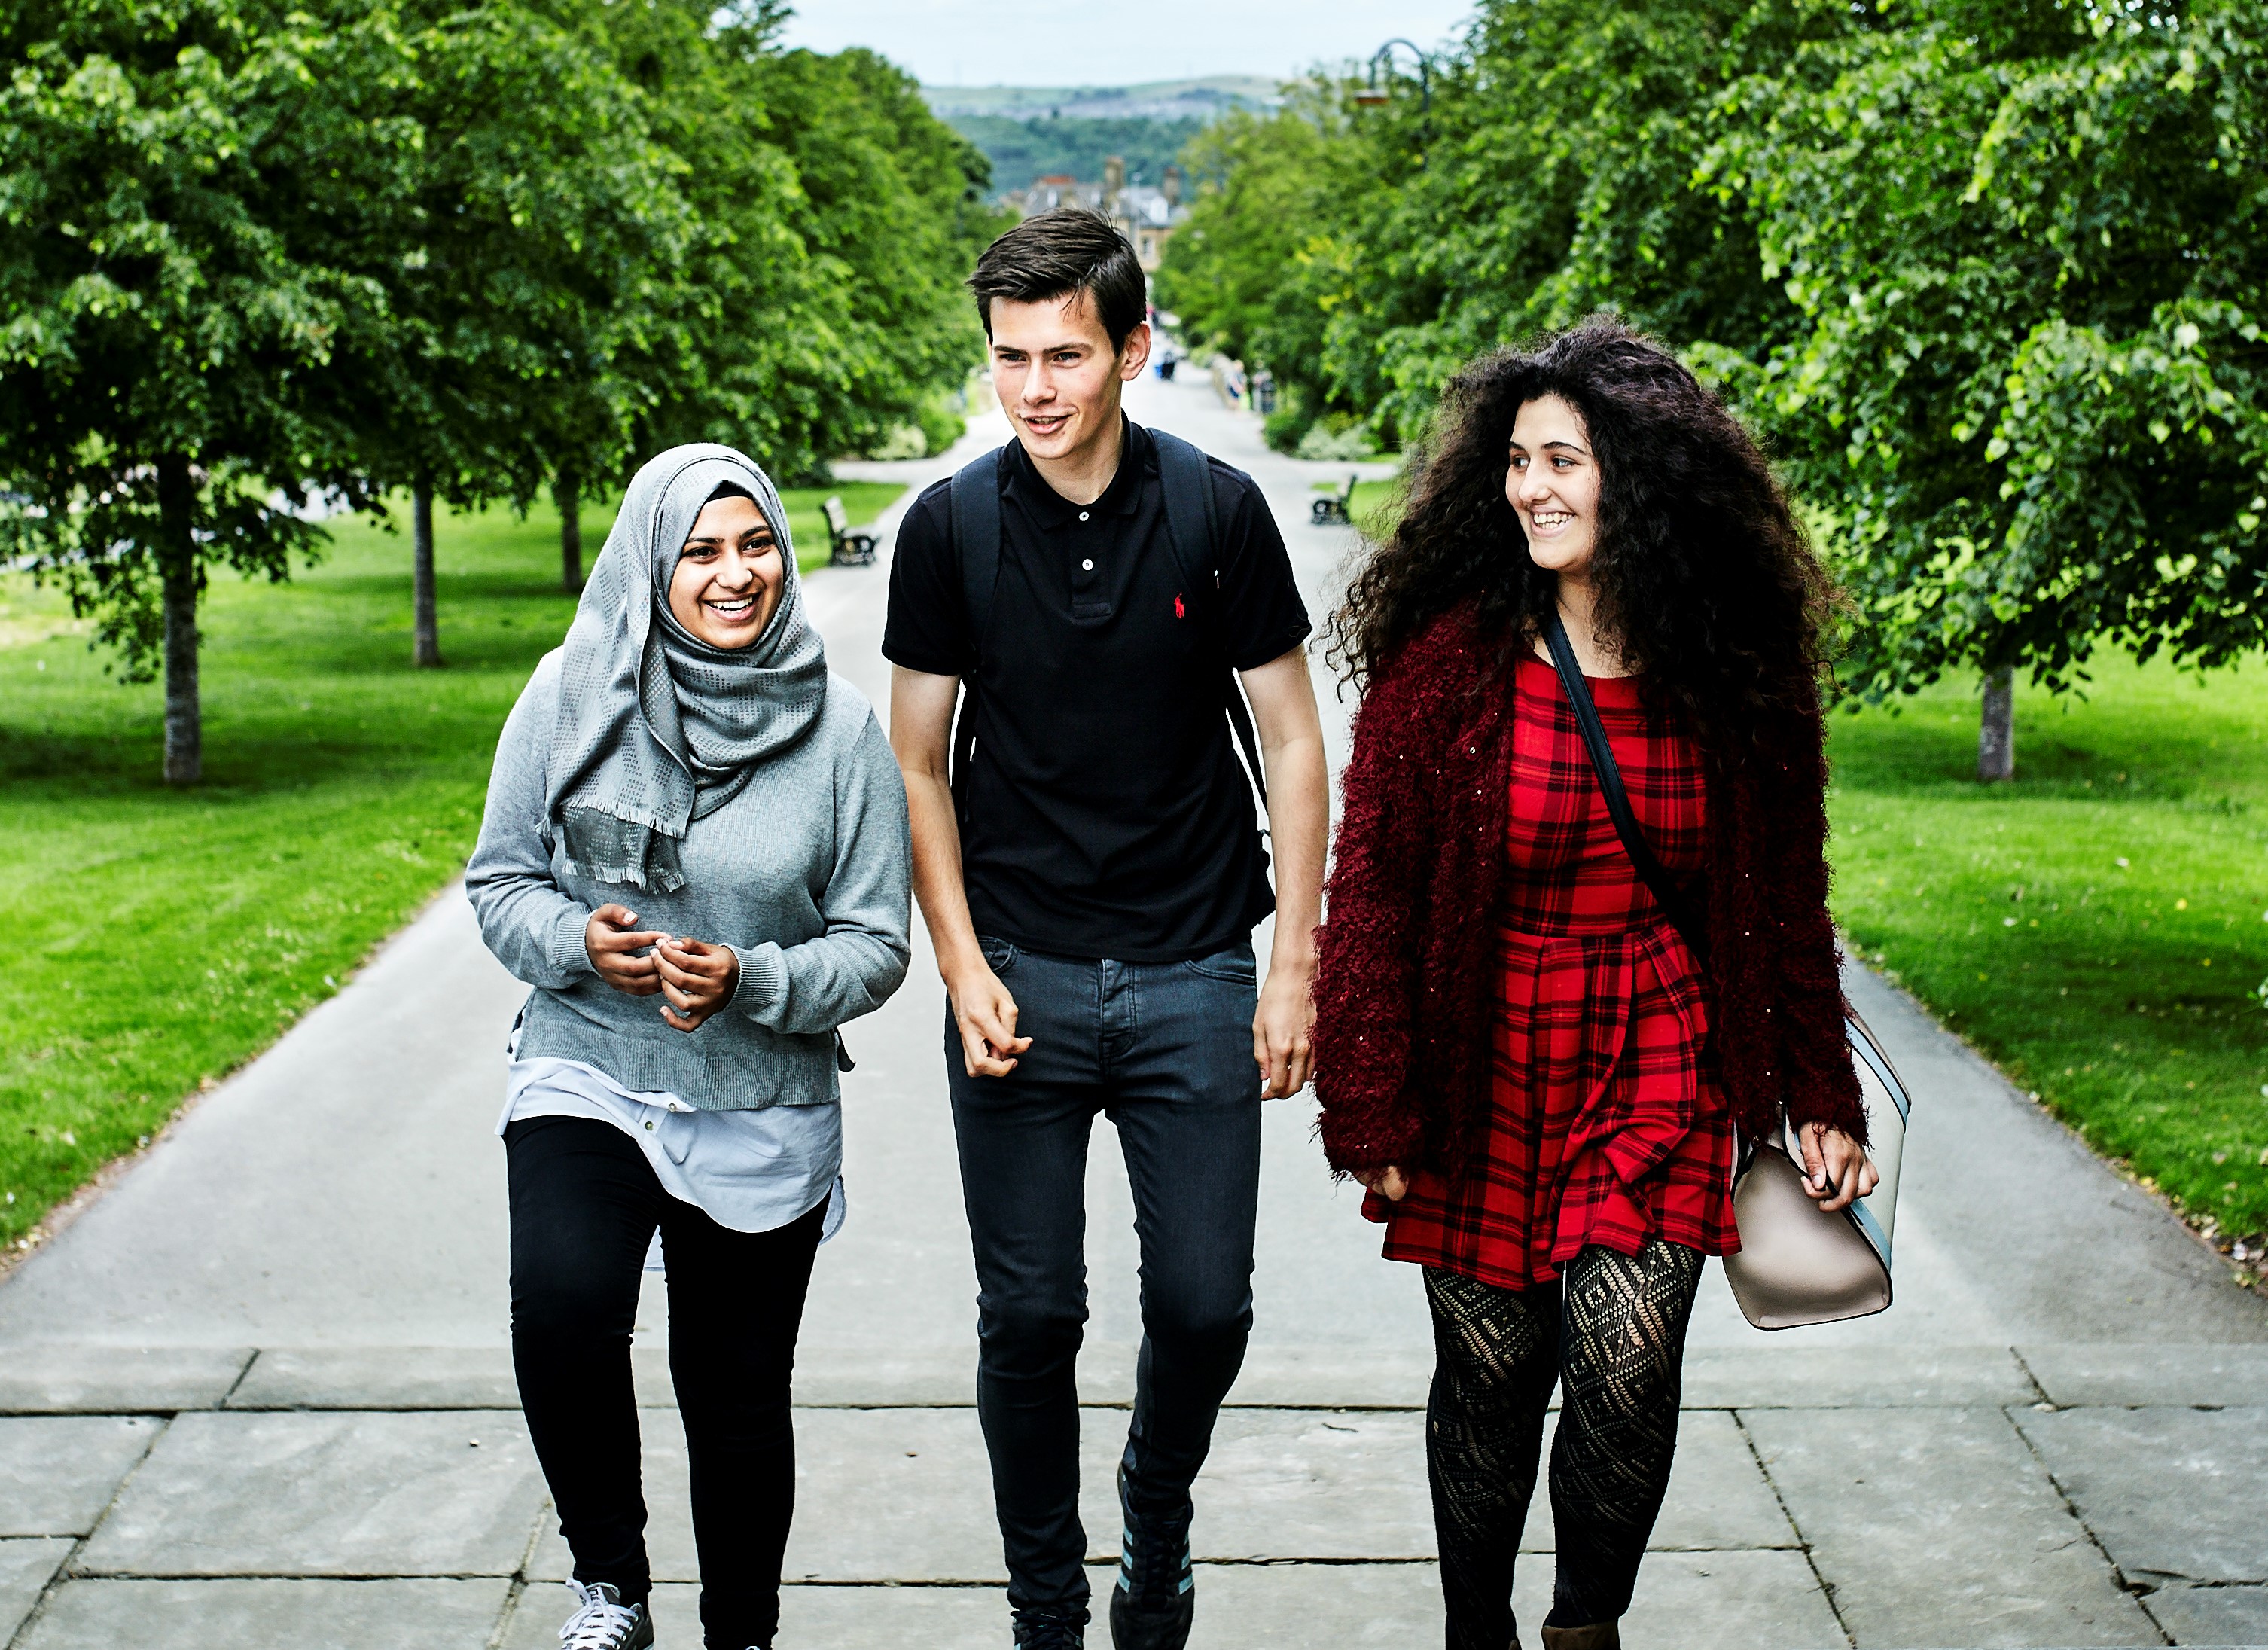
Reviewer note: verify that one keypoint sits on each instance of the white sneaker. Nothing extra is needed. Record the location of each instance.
(601, 1621)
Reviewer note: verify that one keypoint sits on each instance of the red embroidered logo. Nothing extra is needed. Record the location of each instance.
(1180, 611)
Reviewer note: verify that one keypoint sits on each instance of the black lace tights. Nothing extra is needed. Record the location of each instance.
(1613, 1329)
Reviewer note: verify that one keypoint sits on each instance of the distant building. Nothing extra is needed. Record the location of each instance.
(1146, 215)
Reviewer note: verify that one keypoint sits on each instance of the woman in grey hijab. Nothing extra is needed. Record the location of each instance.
(695, 852)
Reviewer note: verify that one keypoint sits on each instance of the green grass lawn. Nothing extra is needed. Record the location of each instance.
(1367, 508)
(164, 938)
(1369, 505)
(2099, 927)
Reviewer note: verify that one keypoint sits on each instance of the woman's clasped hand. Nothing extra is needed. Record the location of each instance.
(695, 977)
(1837, 1171)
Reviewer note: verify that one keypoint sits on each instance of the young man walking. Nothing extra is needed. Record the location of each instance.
(1089, 863)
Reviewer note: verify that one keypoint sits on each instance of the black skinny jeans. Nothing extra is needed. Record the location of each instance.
(584, 1206)
(1165, 1050)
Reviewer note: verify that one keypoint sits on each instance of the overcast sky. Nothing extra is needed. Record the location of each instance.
(1110, 43)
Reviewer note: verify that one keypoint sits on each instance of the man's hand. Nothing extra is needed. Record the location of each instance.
(1388, 1183)
(986, 1014)
(1837, 1171)
(697, 980)
(1283, 1030)
(1299, 819)
(921, 722)
(613, 939)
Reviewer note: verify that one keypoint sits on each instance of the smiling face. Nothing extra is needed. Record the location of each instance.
(1056, 375)
(728, 580)
(1553, 486)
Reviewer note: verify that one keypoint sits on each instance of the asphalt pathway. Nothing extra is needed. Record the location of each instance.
(259, 1393)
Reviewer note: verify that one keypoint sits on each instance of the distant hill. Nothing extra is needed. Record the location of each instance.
(1154, 100)
(1034, 132)
(1023, 151)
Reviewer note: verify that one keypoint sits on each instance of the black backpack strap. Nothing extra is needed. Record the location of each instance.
(1651, 871)
(976, 539)
(975, 496)
(1193, 526)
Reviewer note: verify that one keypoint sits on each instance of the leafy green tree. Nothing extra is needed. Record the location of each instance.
(706, 360)
(2028, 245)
(1545, 171)
(1552, 177)
(524, 257)
(893, 212)
(164, 335)
(1263, 260)
(834, 217)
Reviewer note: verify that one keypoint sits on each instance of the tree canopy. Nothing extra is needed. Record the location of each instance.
(259, 256)
(2029, 248)
(165, 334)
(1986, 274)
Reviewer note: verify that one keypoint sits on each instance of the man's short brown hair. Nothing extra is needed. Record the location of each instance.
(1056, 255)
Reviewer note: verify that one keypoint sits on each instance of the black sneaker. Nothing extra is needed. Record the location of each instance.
(601, 1621)
(1156, 1598)
(1042, 1634)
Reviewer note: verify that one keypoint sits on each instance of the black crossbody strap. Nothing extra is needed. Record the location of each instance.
(1650, 870)
(1185, 478)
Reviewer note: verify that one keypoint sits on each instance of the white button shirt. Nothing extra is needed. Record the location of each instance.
(748, 1171)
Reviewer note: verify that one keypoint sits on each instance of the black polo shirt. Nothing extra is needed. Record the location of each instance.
(1106, 813)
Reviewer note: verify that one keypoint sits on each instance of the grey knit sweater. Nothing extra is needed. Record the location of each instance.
(804, 874)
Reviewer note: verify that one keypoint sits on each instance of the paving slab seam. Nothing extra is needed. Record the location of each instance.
(517, 1590)
(473, 1406)
(993, 1584)
(289, 1575)
(1803, 1542)
(242, 1375)
(2140, 1595)
(2024, 1364)
(227, 1399)
(159, 1411)
(65, 1571)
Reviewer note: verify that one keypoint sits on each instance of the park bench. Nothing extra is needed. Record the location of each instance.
(1333, 508)
(847, 546)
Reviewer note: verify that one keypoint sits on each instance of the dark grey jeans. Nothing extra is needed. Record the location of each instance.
(1166, 1050)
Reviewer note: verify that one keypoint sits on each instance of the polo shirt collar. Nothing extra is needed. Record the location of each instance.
(1051, 509)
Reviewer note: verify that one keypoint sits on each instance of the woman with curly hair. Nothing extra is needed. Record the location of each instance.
(1535, 1075)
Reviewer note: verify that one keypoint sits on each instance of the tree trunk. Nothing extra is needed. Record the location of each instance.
(1996, 734)
(425, 648)
(177, 566)
(568, 490)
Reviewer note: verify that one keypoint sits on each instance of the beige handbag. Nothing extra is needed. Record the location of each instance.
(1797, 1265)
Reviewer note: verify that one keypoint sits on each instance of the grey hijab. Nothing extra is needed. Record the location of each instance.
(656, 727)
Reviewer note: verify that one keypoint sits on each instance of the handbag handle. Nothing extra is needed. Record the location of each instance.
(1651, 871)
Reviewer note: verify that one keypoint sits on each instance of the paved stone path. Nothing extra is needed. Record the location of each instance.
(259, 1396)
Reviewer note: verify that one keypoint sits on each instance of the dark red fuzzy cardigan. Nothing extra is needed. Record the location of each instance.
(1409, 950)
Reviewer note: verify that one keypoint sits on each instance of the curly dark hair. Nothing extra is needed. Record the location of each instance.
(1707, 583)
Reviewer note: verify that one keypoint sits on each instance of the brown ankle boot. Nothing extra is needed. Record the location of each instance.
(1599, 1635)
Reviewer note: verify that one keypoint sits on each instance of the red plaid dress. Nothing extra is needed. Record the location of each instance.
(1607, 1126)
